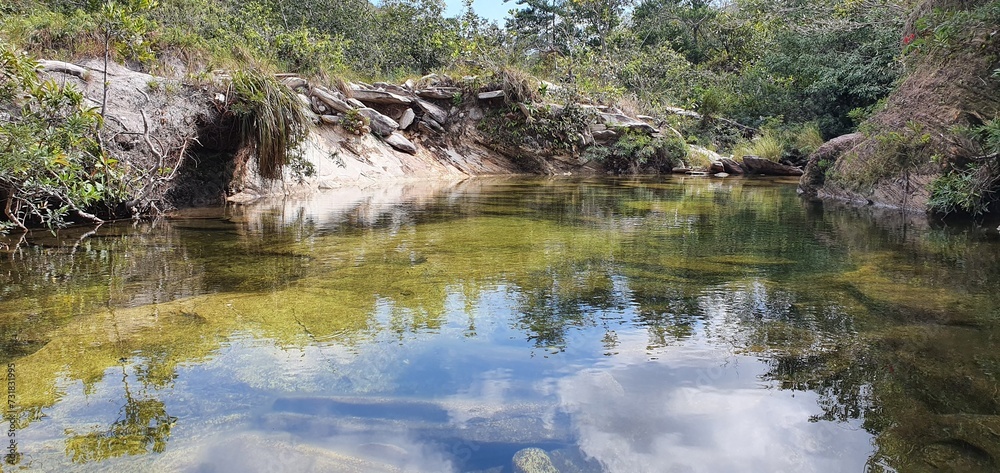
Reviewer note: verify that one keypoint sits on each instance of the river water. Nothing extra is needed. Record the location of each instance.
(676, 324)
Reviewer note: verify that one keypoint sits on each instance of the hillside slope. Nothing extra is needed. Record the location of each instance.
(902, 152)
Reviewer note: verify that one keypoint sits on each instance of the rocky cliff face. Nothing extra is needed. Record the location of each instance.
(177, 142)
(901, 150)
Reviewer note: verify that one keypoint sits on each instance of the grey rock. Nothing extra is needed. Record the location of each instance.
(332, 99)
(391, 88)
(717, 166)
(731, 166)
(617, 120)
(305, 100)
(436, 113)
(330, 119)
(721, 174)
(439, 93)
(492, 95)
(432, 125)
(380, 124)
(295, 83)
(369, 96)
(758, 165)
(65, 68)
(355, 103)
(407, 119)
(400, 143)
(533, 460)
(604, 136)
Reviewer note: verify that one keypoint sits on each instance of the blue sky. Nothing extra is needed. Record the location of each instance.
(490, 9)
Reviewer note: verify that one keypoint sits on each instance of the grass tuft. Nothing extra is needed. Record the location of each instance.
(766, 145)
(271, 120)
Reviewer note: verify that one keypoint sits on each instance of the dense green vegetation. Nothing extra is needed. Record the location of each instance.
(824, 61)
(789, 73)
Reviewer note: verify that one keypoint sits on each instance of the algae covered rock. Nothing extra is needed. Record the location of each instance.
(533, 460)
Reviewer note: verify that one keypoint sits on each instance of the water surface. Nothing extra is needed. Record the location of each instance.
(678, 324)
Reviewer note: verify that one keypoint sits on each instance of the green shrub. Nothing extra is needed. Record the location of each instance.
(310, 54)
(51, 165)
(354, 122)
(635, 152)
(968, 191)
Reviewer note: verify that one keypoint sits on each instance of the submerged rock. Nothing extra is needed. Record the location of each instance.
(533, 460)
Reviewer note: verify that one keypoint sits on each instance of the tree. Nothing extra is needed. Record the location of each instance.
(599, 18)
(123, 27)
(540, 26)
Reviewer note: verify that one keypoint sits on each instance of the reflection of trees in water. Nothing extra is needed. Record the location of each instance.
(555, 301)
(143, 425)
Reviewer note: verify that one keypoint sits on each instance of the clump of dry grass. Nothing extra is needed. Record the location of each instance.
(271, 120)
(766, 145)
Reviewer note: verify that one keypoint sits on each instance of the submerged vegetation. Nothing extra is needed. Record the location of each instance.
(877, 325)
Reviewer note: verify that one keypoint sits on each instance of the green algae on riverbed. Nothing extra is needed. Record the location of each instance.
(891, 330)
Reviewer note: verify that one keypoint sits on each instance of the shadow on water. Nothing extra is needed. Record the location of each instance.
(620, 325)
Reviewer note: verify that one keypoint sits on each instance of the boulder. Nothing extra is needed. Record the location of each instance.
(758, 165)
(400, 143)
(380, 124)
(491, 95)
(332, 99)
(533, 460)
(330, 119)
(439, 93)
(436, 113)
(304, 100)
(721, 174)
(431, 124)
(717, 167)
(295, 83)
(731, 166)
(617, 120)
(370, 96)
(604, 135)
(392, 88)
(407, 119)
(355, 103)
